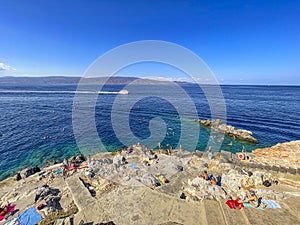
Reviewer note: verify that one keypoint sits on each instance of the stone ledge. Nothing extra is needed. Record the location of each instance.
(82, 197)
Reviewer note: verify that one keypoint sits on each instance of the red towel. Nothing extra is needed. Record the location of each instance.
(72, 167)
(234, 204)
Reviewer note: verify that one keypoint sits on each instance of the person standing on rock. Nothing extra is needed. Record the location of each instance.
(180, 150)
(170, 149)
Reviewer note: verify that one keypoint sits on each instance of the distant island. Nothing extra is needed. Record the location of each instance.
(76, 80)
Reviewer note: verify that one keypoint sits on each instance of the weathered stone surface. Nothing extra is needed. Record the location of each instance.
(213, 216)
(282, 169)
(270, 217)
(227, 156)
(283, 154)
(259, 176)
(275, 168)
(292, 170)
(225, 166)
(82, 197)
(271, 194)
(203, 189)
(131, 201)
(232, 180)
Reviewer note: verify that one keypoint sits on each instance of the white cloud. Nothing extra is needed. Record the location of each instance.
(6, 68)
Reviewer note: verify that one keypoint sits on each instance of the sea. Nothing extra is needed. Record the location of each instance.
(36, 121)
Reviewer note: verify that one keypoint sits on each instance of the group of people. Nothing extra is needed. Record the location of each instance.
(213, 180)
(72, 164)
(249, 197)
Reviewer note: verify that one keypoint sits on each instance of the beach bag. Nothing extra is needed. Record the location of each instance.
(263, 205)
(267, 183)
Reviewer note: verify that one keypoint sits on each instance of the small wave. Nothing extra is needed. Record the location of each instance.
(67, 92)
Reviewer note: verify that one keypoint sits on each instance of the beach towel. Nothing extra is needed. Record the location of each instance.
(83, 165)
(11, 222)
(29, 217)
(233, 204)
(58, 171)
(72, 167)
(10, 209)
(271, 204)
(247, 204)
(133, 165)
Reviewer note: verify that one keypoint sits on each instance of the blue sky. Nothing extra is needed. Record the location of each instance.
(243, 42)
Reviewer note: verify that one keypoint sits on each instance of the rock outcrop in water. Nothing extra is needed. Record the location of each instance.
(219, 126)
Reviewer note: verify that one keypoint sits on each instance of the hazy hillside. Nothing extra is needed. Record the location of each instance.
(75, 80)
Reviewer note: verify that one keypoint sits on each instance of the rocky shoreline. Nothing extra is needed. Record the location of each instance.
(219, 126)
(143, 186)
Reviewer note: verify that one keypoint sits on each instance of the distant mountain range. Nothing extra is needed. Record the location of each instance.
(75, 80)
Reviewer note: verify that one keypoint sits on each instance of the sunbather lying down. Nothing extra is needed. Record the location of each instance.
(204, 175)
(252, 199)
(3, 208)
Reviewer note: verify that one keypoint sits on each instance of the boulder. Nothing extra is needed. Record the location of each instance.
(233, 180)
(203, 189)
(247, 182)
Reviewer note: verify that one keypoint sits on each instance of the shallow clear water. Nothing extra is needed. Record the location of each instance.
(37, 126)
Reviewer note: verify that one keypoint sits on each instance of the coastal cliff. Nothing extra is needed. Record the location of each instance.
(219, 126)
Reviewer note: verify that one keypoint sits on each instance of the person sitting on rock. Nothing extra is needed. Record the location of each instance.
(65, 170)
(73, 162)
(80, 158)
(66, 162)
(18, 177)
(204, 175)
(252, 199)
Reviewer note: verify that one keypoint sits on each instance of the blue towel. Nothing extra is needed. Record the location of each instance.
(247, 204)
(29, 217)
(133, 165)
(271, 204)
(58, 171)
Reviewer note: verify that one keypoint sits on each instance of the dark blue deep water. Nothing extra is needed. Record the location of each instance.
(36, 121)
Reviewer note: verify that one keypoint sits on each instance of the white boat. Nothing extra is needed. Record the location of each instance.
(123, 92)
